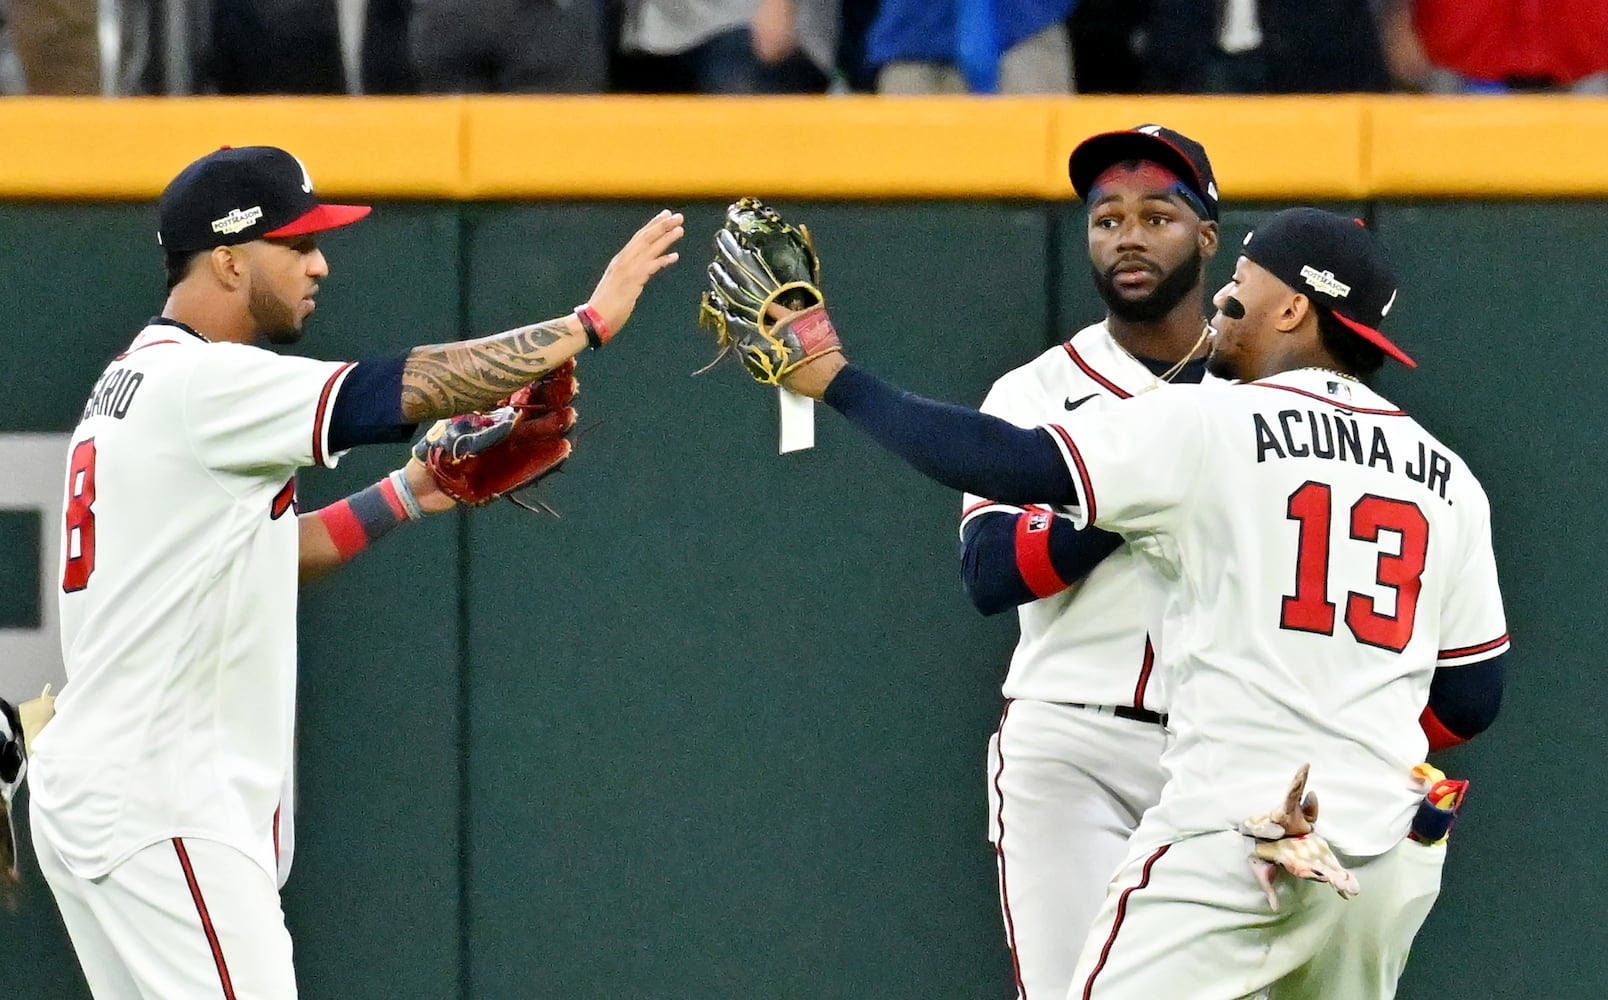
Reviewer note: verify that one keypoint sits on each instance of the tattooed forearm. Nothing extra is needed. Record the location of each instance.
(444, 379)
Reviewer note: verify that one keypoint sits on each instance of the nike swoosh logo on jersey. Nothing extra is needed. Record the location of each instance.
(1072, 404)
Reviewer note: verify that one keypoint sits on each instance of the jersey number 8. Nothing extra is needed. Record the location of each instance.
(80, 517)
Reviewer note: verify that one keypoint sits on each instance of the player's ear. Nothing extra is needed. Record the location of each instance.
(1208, 239)
(228, 266)
(1294, 313)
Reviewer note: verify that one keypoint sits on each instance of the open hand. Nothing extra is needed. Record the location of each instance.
(644, 255)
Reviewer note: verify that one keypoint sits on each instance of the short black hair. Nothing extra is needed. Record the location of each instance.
(178, 265)
(1354, 355)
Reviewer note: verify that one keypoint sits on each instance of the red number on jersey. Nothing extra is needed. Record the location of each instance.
(1400, 573)
(80, 517)
(1310, 609)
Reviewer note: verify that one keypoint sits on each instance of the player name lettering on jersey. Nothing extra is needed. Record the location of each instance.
(1340, 437)
(113, 393)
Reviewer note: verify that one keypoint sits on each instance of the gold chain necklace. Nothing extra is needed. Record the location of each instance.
(1178, 366)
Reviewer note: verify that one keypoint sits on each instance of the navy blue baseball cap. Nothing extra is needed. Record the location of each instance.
(1157, 143)
(1334, 261)
(239, 194)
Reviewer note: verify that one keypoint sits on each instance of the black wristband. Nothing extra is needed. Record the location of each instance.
(593, 340)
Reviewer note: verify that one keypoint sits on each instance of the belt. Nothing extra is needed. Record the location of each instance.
(1124, 712)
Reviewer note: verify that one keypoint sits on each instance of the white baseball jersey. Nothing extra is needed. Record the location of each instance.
(1319, 554)
(178, 602)
(1089, 643)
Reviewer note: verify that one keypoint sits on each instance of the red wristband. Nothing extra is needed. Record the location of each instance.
(345, 530)
(393, 499)
(597, 331)
(1033, 553)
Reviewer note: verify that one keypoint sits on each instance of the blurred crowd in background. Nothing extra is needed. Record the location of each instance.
(124, 47)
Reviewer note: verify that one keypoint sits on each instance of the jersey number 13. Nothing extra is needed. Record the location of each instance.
(1310, 610)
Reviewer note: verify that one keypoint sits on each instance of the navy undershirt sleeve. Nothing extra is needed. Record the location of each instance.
(988, 565)
(958, 447)
(1466, 699)
(368, 408)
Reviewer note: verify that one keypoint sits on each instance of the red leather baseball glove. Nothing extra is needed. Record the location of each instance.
(478, 457)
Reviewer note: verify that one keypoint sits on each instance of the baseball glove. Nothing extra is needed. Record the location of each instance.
(478, 457)
(1285, 839)
(13, 768)
(764, 300)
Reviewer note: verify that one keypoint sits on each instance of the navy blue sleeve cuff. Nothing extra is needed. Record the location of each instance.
(1466, 699)
(368, 407)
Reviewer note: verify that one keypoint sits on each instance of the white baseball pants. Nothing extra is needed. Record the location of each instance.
(1188, 919)
(1066, 787)
(183, 919)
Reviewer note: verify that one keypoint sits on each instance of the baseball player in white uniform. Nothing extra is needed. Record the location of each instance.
(162, 789)
(1077, 756)
(1320, 557)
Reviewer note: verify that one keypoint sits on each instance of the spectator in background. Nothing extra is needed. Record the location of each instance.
(728, 46)
(854, 24)
(1263, 47)
(976, 46)
(1499, 46)
(1107, 36)
(509, 46)
(384, 64)
(58, 44)
(274, 47)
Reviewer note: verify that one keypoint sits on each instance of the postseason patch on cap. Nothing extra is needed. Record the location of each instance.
(237, 219)
(1325, 282)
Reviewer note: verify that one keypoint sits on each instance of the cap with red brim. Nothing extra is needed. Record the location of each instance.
(1336, 262)
(238, 194)
(319, 219)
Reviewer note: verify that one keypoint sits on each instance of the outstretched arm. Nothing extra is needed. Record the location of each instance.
(441, 380)
(952, 445)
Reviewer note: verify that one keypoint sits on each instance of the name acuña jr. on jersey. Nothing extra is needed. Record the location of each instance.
(113, 393)
(1339, 437)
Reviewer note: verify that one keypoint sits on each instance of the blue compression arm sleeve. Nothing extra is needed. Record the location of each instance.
(1465, 700)
(368, 409)
(960, 448)
(989, 563)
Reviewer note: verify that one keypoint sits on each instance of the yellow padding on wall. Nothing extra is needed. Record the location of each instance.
(1280, 148)
(1490, 147)
(859, 147)
(131, 148)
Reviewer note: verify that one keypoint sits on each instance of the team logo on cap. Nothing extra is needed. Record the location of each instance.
(237, 219)
(1325, 281)
(307, 179)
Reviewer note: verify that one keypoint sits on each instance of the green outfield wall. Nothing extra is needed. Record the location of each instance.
(672, 745)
